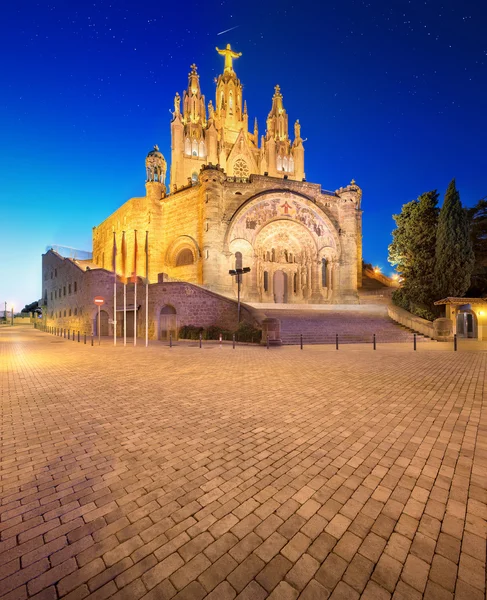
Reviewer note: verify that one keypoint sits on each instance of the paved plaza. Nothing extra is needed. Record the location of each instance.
(215, 473)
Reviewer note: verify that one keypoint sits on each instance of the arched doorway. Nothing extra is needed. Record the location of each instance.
(103, 323)
(280, 287)
(168, 322)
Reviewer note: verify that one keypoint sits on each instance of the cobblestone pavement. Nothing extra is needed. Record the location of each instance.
(250, 473)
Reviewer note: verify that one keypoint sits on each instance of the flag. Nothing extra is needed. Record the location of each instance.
(134, 273)
(147, 256)
(124, 258)
(114, 255)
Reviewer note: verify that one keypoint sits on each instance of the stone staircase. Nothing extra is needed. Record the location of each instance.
(354, 324)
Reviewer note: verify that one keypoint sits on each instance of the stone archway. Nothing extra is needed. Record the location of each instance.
(286, 251)
(168, 324)
(285, 232)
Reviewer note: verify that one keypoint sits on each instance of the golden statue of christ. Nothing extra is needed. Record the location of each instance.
(229, 55)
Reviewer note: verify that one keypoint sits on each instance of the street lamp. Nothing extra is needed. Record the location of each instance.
(238, 273)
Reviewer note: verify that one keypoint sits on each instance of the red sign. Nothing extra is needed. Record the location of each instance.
(99, 300)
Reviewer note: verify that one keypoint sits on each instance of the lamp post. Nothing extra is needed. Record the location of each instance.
(238, 273)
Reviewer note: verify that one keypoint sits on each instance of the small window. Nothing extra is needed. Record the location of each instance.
(55, 293)
(64, 313)
(69, 288)
(194, 178)
(51, 295)
(69, 312)
(185, 257)
(323, 272)
(64, 290)
(76, 285)
(266, 281)
(75, 311)
(238, 260)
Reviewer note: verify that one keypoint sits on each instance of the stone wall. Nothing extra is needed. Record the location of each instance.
(411, 321)
(69, 292)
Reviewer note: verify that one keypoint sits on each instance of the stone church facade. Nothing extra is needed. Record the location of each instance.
(236, 201)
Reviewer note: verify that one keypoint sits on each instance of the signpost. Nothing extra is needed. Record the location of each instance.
(99, 301)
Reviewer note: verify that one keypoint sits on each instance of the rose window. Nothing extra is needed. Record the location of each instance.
(240, 168)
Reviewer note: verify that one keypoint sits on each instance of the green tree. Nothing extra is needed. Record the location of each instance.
(413, 252)
(424, 222)
(478, 234)
(454, 253)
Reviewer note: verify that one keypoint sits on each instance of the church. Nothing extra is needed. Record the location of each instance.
(235, 200)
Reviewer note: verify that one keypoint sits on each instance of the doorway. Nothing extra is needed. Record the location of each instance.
(168, 323)
(280, 287)
(103, 323)
(466, 325)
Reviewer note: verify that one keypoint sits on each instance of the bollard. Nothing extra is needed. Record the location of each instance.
(374, 342)
(336, 341)
(220, 340)
(74, 337)
(233, 340)
(78, 336)
(267, 341)
(414, 341)
(201, 340)
(69, 331)
(85, 338)
(65, 334)
(92, 338)
(301, 340)
(170, 340)
(455, 342)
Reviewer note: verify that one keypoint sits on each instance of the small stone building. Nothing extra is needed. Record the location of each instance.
(468, 316)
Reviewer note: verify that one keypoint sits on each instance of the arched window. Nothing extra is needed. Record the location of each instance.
(266, 281)
(202, 149)
(295, 284)
(279, 163)
(238, 260)
(195, 148)
(185, 257)
(187, 147)
(273, 255)
(285, 164)
(230, 102)
(194, 177)
(267, 256)
(323, 272)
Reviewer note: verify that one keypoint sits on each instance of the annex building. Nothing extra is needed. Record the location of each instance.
(234, 199)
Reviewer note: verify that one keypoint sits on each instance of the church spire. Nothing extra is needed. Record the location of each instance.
(230, 111)
(194, 110)
(277, 125)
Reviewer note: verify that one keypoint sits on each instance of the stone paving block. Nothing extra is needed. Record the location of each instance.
(358, 572)
(246, 572)
(415, 573)
(218, 571)
(284, 592)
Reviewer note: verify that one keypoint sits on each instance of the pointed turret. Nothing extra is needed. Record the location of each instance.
(277, 126)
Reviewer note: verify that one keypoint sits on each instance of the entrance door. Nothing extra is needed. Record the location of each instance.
(280, 287)
(103, 323)
(465, 325)
(168, 323)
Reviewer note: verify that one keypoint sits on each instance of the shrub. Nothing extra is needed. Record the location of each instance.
(400, 299)
(190, 332)
(248, 333)
(213, 333)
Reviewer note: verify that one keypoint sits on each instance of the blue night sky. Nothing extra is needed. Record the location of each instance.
(392, 94)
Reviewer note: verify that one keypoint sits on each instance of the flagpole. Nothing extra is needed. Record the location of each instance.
(124, 269)
(114, 289)
(135, 287)
(146, 289)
